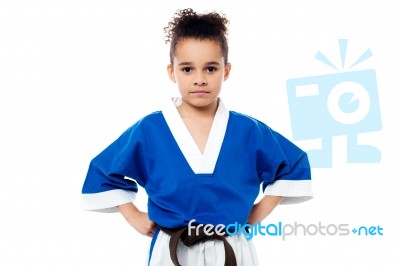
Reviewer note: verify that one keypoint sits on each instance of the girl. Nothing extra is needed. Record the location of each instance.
(200, 164)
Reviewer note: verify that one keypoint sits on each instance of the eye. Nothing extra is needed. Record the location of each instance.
(187, 69)
(211, 69)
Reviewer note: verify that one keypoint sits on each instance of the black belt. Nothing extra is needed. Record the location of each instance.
(193, 238)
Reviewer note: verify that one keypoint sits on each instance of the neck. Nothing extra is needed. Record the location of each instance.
(186, 110)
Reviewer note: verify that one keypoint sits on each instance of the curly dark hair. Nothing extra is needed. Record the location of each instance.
(188, 24)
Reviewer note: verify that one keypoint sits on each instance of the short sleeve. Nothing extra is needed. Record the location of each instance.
(285, 170)
(113, 175)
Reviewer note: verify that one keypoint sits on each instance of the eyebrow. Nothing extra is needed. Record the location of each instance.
(208, 63)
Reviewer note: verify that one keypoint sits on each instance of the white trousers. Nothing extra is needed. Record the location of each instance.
(208, 253)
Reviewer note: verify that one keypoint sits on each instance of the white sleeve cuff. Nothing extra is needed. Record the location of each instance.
(107, 201)
(293, 191)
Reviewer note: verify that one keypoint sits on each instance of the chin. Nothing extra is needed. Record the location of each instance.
(201, 102)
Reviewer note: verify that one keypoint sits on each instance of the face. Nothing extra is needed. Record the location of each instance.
(199, 70)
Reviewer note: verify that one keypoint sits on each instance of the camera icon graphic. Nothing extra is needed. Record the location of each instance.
(346, 103)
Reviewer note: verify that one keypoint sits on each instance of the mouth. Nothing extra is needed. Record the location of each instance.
(200, 92)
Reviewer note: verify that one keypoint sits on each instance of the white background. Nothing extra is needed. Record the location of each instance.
(75, 74)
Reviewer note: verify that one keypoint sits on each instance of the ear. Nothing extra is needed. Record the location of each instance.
(227, 71)
(171, 74)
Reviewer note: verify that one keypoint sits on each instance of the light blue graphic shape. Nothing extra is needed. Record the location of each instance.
(367, 54)
(312, 119)
(321, 57)
(343, 50)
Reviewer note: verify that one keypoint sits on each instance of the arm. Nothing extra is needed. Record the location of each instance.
(263, 208)
(137, 219)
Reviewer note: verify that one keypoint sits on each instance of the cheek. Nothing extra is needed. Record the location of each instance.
(219, 79)
(182, 79)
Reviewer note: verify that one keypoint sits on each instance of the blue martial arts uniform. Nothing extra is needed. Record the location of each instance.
(217, 187)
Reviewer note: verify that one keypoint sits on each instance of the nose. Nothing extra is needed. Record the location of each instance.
(200, 80)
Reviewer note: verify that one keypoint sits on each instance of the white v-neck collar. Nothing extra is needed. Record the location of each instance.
(200, 163)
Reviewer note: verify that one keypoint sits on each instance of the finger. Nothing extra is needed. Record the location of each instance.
(152, 230)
